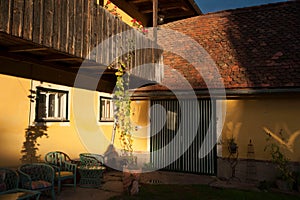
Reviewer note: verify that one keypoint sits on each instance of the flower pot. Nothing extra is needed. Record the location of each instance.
(131, 178)
(232, 148)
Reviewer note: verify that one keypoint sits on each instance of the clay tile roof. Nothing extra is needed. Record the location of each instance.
(254, 47)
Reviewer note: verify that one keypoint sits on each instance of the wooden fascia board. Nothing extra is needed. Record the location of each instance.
(131, 10)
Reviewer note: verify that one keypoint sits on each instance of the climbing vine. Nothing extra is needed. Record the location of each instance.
(123, 109)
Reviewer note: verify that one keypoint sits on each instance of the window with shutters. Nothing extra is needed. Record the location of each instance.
(106, 109)
(51, 105)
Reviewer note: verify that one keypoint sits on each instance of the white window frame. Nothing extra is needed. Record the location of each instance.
(106, 113)
(55, 106)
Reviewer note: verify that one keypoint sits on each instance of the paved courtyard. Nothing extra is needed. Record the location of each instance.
(112, 184)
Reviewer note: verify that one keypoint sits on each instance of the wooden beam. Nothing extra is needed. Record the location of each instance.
(64, 59)
(25, 49)
(147, 11)
(165, 7)
(131, 10)
(42, 72)
(94, 72)
(26, 59)
(139, 1)
(196, 7)
(176, 15)
(154, 14)
(155, 8)
(90, 66)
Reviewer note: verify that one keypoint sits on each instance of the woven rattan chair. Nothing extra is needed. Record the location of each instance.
(91, 159)
(91, 169)
(9, 182)
(64, 167)
(38, 177)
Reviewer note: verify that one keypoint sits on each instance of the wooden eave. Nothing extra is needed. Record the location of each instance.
(171, 9)
(51, 40)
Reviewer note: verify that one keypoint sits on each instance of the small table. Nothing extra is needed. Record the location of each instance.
(19, 194)
(90, 176)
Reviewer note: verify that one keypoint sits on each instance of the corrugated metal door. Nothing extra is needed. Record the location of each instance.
(184, 127)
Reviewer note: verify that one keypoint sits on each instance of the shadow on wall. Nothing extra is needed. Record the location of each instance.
(30, 145)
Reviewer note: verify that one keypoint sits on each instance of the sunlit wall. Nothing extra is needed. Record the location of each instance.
(255, 119)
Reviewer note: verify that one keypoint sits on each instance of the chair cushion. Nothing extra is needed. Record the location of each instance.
(38, 185)
(2, 187)
(64, 174)
(2, 183)
(2, 176)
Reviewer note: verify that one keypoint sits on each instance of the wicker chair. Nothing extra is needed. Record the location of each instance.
(91, 169)
(64, 166)
(38, 177)
(91, 159)
(9, 182)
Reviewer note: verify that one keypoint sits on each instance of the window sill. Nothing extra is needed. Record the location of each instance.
(51, 120)
(106, 121)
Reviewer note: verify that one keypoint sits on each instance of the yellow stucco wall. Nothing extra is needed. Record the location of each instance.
(140, 120)
(245, 119)
(248, 119)
(84, 132)
(14, 116)
(95, 135)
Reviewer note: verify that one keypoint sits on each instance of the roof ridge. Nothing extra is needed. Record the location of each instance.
(268, 6)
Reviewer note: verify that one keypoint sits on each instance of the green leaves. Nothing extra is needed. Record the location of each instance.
(122, 102)
(279, 159)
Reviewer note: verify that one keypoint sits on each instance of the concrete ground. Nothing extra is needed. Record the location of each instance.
(113, 186)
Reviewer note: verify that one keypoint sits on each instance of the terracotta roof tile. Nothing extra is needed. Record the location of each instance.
(255, 47)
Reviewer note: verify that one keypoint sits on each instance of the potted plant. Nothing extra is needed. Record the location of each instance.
(232, 145)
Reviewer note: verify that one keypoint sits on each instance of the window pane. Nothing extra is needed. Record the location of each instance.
(51, 106)
(106, 109)
(41, 103)
(61, 105)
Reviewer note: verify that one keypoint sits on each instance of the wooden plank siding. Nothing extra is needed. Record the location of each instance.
(6, 14)
(28, 20)
(63, 45)
(57, 21)
(75, 28)
(48, 23)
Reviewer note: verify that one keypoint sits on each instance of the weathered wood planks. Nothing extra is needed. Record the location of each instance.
(6, 15)
(28, 20)
(76, 27)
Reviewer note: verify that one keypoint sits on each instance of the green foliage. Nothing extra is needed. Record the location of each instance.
(279, 159)
(122, 103)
